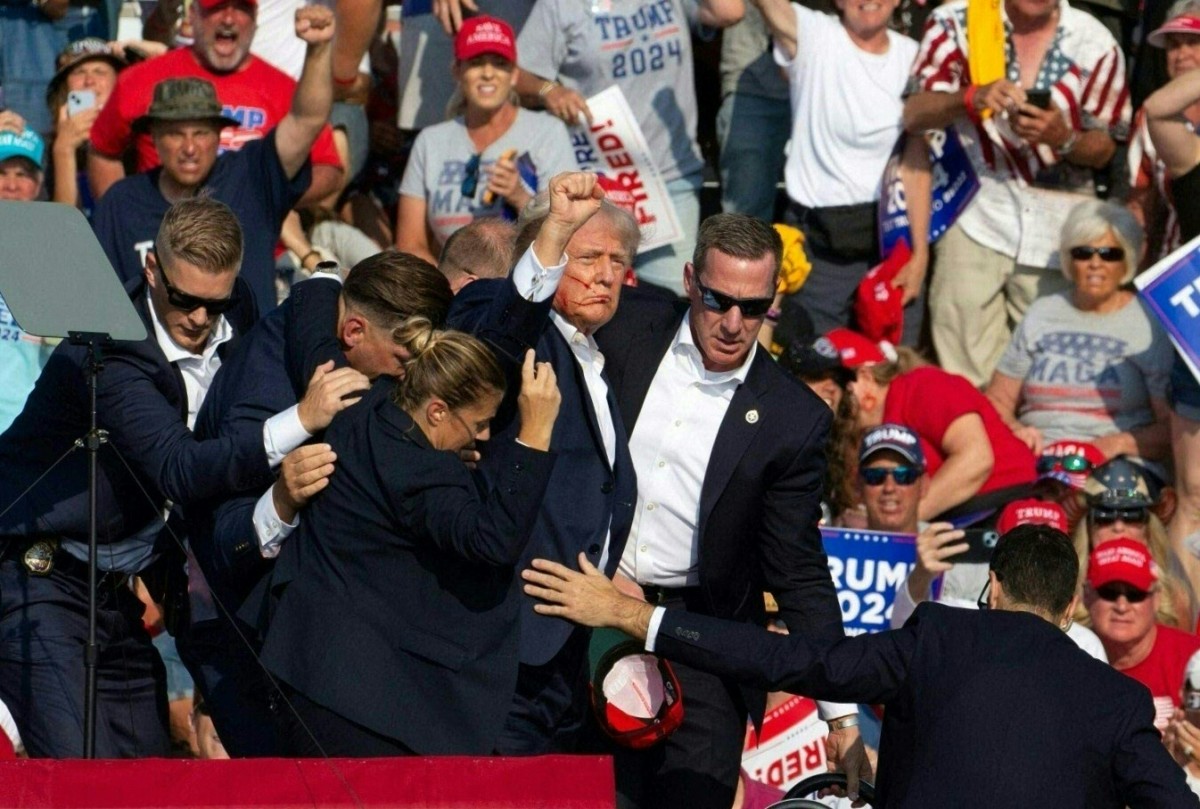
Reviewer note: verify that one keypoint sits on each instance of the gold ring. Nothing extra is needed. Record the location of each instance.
(1188, 751)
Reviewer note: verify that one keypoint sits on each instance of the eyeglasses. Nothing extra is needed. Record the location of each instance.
(1085, 252)
(1067, 463)
(1111, 592)
(982, 601)
(190, 303)
(470, 177)
(720, 302)
(903, 475)
(1129, 516)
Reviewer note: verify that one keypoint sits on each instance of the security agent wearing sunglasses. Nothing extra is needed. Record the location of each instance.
(992, 708)
(193, 304)
(729, 458)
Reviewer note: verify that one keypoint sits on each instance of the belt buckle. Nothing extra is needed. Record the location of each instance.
(39, 557)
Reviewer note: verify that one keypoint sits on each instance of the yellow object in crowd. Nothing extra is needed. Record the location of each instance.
(796, 265)
(985, 42)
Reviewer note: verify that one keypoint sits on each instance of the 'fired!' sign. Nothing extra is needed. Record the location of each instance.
(613, 145)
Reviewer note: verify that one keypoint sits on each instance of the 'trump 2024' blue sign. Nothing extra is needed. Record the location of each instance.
(954, 185)
(867, 567)
(1171, 290)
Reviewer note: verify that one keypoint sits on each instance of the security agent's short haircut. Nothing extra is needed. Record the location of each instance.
(390, 287)
(483, 249)
(739, 236)
(1038, 567)
(203, 232)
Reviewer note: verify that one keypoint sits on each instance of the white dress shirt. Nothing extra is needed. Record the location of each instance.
(671, 446)
(281, 434)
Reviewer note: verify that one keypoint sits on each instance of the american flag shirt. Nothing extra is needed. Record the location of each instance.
(1147, 171)
(1083, 69)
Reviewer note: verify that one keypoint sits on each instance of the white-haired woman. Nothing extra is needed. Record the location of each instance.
(1090, 362)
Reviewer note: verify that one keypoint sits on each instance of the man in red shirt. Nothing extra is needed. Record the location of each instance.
(251, 92)
(1122, 597)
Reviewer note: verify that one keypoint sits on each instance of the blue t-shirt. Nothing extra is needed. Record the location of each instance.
(251, 181)
(22, 358)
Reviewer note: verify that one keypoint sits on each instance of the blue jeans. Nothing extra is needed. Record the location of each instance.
(752, 131)
(29, 45)
(663, 266)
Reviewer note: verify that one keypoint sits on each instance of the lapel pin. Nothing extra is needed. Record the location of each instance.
(751, 416)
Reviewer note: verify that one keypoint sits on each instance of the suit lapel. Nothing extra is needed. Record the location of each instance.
(741, 422)
(585, 394)
(643, 355)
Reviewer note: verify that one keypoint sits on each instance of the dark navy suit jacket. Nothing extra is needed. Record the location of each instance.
(982, 708)
(587, 497)
(400, 610)
(252, 386)
(142, 403)
(760, 500)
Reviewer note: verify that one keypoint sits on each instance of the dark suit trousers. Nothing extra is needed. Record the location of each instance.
(235, 687)
(697, 766)
(43, 629)
(550, 708)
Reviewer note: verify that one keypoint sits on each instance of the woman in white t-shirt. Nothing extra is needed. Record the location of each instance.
(487, 161)
(846, 78)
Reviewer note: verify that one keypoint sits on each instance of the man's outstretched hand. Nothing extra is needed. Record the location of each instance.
(585, 597)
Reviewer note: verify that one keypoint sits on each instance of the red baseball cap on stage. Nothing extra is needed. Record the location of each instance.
(1123, 560)
(856, 349)
(1183, 24)
(484, 34)
(636, 696)
(1032, 512)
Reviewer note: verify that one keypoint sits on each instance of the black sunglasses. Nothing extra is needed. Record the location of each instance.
(982, 601)
(1129, 516)
(190, 303)
(1085, 252)
(720, 302)
(470, 177)
(1111, 592)
(903, 475)
(1068, 463)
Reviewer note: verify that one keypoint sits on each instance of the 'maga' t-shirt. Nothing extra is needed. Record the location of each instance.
(438, 165)
(1086, 374)
(252, 182)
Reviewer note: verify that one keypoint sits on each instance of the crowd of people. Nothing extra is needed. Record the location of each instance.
(399, 346)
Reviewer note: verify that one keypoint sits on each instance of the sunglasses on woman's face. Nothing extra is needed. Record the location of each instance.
(1111, 592)
(1085, 252)
(470, 177)
(1129, 516)
(903, 475)
(1067, 463)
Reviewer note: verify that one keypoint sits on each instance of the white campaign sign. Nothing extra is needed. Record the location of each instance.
(613, 145)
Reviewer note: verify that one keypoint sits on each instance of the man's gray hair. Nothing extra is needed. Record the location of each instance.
(1092, 220)
(482, 249)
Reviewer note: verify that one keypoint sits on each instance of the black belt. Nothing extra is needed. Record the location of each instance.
(41, 554)
(660, 595)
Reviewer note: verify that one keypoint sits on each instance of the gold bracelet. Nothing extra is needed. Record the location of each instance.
(546, 88)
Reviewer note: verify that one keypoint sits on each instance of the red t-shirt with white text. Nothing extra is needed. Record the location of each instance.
(1162, 670)
(259, 96)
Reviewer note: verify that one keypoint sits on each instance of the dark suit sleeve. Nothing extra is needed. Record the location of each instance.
(1144, 773)
(493, 311)
(152, 437)
(866, 668)
(310, 330)
(445, 508)
(795, 568)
